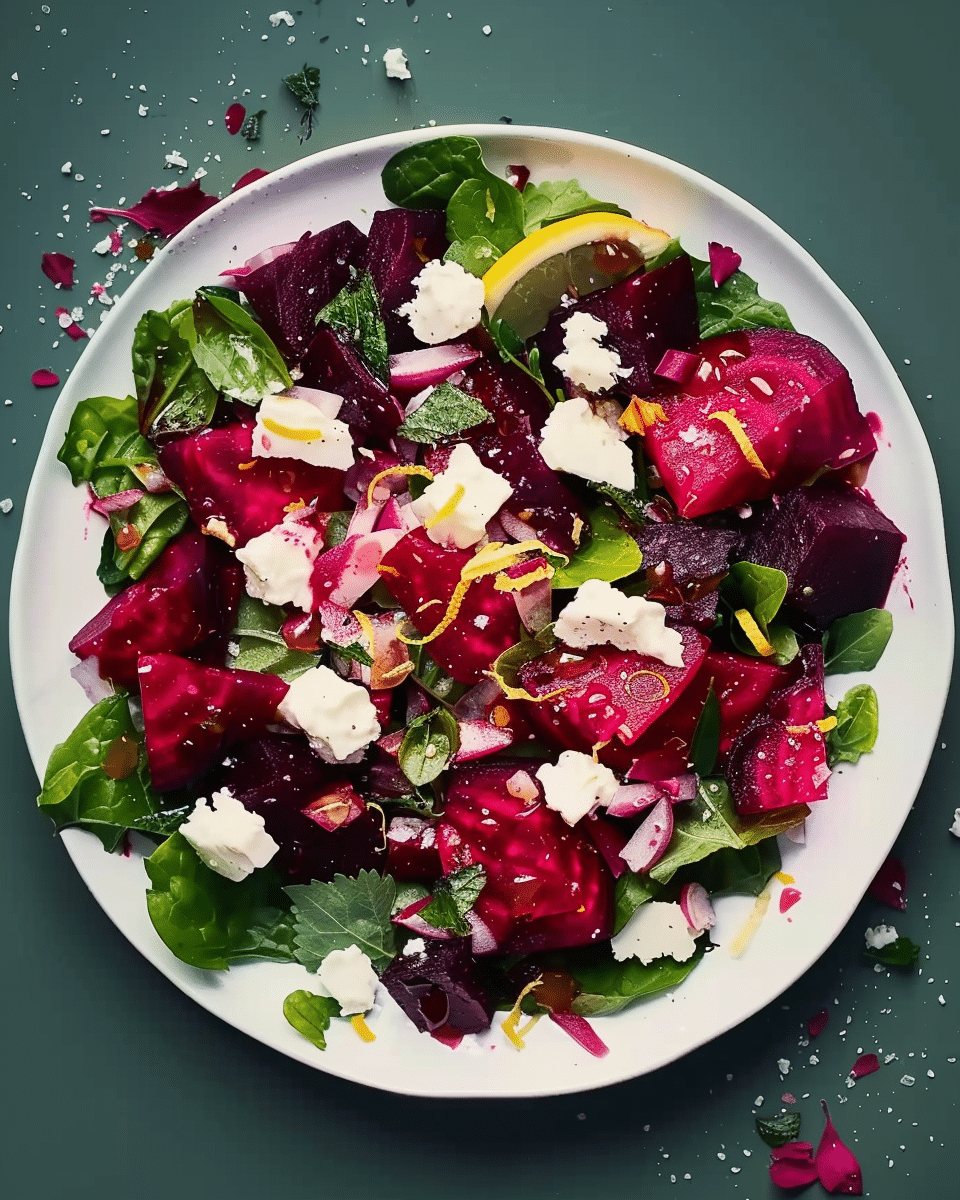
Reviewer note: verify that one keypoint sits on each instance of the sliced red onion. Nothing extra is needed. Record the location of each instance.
(837, 1168)
(259, 260)
(866, 1064)
(696, 907)
(117, 502)
(480, 738)
(390, 742)
(417, 369)
(792, 1165)
(365, 517)
(233, 118)
(58, 268)
(889, 885)
(535, 605)
(518, 176)
(394, 515)
(632, 798)
(329, 403)
(677, 366)
(582, 1032)
(87, 674)
(723, 262)
(409, 918)
(483, 940)
(44, 378)
(797, 833)
(473, 705)
(152, 478)
(818, 1022)
(343, 573)
(251, 177)
(649, 843)
(340, 626)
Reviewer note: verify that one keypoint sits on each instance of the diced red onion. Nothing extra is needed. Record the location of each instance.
(535, 605)
(394, 515)
(518, 176)
(582, 1032)
(837, 1168)
(632, 798)
(649, 843)
(87, 674)
(329, 403)
(390, 742)
(677, 366)
(723, 262)
(417, 369)
(696, 907)
(519, 530)
(473, 705)
(117, 502)
(351, 567)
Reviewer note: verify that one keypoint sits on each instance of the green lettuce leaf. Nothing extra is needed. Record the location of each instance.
(446, 411)
(428, 745)
(609, 986)
(558, 199)
(477, 254)
(233, 351)
(173, 393)
(260, 646)
(705, 743)
(346, 912)
(732, 872)
(858, 722)
(310, 1015)
(610, 554)
(355, 312)
(632, 890)
(428, 174)
(489, 208)
(904, 952)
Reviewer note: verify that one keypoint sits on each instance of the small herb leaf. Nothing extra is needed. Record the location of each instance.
(858, 717)
(448, 410)
(428, 746)
(777, 1131)
(610, 554)
(310, 1015)
(705, 744)
(427, 175)
(453, 897)
(902, 953)
(346, 912)
(355, 312)
(856, 642)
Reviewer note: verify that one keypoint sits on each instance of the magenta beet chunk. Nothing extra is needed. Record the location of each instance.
(439, 988)
(184, 604)
(288, 292)
(645, 315)
(225, 486)
(794, 402)
(412, 851)
(417, 571)
(837, 549)
(547, 885)
(308, 806)
(333, 366)
(193, 714)
(689, 560)
(400, 241)
(609, 693)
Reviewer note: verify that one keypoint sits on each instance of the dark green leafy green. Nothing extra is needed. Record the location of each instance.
(354, 652)
(250, 129)
(453, 897)
(234, 352)
(732, 872)
(428, 174)
(631, 504)
(632, 890)
(858, 722)
(508, 664)
(512, 349)
(304, 85)
(760, 590)
(446, 411)
(428, 745)
(355, 312)
(477, 254)
(609, 986)
(856, 642)
(558, 199)
(705, 744)
(784, 641)
(346, 912)
(260, 646)
(429, 674)
(611, 553)
(900, 953)
(489, 208)
(209, 921)
(408, 893)
(173, 392)
(310, 1015)
(777, 1131)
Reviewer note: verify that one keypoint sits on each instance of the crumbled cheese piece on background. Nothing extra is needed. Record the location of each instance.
(395, 62)
(576, 785)
(880, 936)
(600, 614)
(229, 838)
(349, 977)
(338, 717)
(955, 827)
(283, 17)
(656, 930)
(581, 442)
(448, 303)
(457, 505)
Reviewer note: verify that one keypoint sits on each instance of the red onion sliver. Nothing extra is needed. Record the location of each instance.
(723, 262)
(696, 907)
(87, 674)
(677, 366)
(417, 369)
(58, 268)
(837, 1169)
(259, 260)
(582, 1033)
(518, 176)
(44, 378)
(233, 118)
(792, 1165)
(818, 1022)
(480, 738)
(866, 1064)
(648, 844)
(410, 918)
(889, 885)
(117, 502)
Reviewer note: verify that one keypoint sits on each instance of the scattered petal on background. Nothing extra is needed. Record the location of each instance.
(250, 177)
(723, 262)
(889, 885)
(44, 378)
(233, 118)
(58, 268)
(837, 1169)
(866, 1064)
(165, 211)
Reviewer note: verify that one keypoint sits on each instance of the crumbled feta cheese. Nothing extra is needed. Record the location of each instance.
(486, 31)
(278, 564)
(576, 785)
(395, 62)
(143, 110)
(231, 840)
(880, 936)
(656, 930)
(6, 505)
(67, 168)
(955, 827)
(349, 977)
(295, 427)
(600, 614)
(457, 505)
(578, 440)
(448, 303)
(415, 946)
(281, 17)
(338, 717)
(175, 159)
(583, 360)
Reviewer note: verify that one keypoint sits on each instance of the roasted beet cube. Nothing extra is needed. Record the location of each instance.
(400, 242)
(837, 549)
(765, 412)
(685, 562)
(412, 851)
(331, 364)
(439, 988)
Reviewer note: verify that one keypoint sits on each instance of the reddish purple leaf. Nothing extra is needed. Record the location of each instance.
(163, 212)
(58, 268)
(233, 118)
(723, 263)
(818, 1023)
(792, 1165)
(250, 177)
(44, 378)
(837, 1169)
(889, 885)
(72, 329)
(866, 1064)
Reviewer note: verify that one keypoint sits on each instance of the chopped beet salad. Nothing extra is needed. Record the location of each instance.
(472, 583)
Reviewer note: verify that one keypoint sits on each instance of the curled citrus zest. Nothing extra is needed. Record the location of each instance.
(459, 594)
(740, 437)
(515, 693)
(364, 1030)
(752, 924)
(399, 672)
(399, 469)
(595, 749)
(827, 724)
(448, 509)
(649, 699)
(639, 415)
(295, 506)
(293, 435)
(510, 1020)
(366, 627)
(386, 570)
(754, 633)
(247, 466)
(508, 583)
(784, 877)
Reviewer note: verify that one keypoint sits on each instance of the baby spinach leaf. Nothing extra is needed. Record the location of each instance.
(260, 646)
(477, 254)
(156, 519)
(104, 436)
(856, 642)
(858, 722)
(556, 200)
(173, 393)
(777, 1131)
(428, 174)
(310, 1015)
(610, 554)
(631, 504)
(446, 411)
(901, 953)
(346, 912)
(609, 986)
(507, 665)
(732, 872)
(235, 353)
(489, 208)
(428, 745)
(632, 890)
(209, 921)
(760, 590)
(705, 744)
(784, 641)
(355, 312)
(453, 897)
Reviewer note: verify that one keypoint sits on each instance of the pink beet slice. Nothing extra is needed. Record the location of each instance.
(813, 535)
(186, 600)
(235, 496)
(609, 693)
(192, 714)
(790, 397)
(416, 571)
(547, 885)
(400, 242)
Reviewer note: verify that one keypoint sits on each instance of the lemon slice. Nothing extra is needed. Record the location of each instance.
(578, 255)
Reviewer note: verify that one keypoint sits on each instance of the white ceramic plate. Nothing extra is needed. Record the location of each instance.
(55, 591)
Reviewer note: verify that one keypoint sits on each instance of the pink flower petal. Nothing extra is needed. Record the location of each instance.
(72, 329)
(792, 1165)
(818, 1023)
(723, 262)
(233, 118)
(58, 268)
(165, 212)
(889, 885)
(116, 242)
(44, 378)
(837, 1169)
(250, 177)
(866, 1064)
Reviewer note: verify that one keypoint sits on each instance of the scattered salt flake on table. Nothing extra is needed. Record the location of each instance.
(907, 1080)
(783, 1066)
(487, 31)
(175, 159)
(6, 505)
(941, 1000)
(758, 1102)
(44, 378)
(955, 827)
(58, 268)
(67, 168)
(143, 110)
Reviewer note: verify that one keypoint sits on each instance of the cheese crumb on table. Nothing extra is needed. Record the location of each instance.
(395, 62)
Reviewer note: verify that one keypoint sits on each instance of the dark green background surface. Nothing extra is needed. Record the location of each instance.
(835, 118)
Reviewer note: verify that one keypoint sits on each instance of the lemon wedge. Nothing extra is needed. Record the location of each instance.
(579, 255)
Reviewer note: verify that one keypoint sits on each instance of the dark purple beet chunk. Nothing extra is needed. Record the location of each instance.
(694, 556)
(279, 777)
(645, 315)
(439, 988)
(333, 366)
(838, 551)
(288, 292)
(400, 242)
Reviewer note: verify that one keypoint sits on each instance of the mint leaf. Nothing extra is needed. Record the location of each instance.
(902, 953)
(489, 208)
(355, 311)
(250, 129)
(259, 643)
(209, 921)
(448, 410)
(610, 554)
(234, 352)
(346, 912)
(428, 174)
(632, 890)
(777, 1131)
(428, 745)
(858, 722)
(453, 897)
(477, 254)
(558, 199)
(856, 642)
(705, 743)
(304, 86)
(310, 1015)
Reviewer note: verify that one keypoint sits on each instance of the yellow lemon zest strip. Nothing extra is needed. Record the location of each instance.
(295, 506)
(639, 415)
(827, 724)
(752, 924)
(448, 509)
(515, 693)
(459, 593)
(360, 1025)
(506, 583)
(247, 466)
(740, 437)
(385, 570)
(510, 1020)
(754, 632)
(399, 469)
(295, 435)
(399, 672)
(653, 699)
(798, 728)
(784, 877)
(366, 625)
